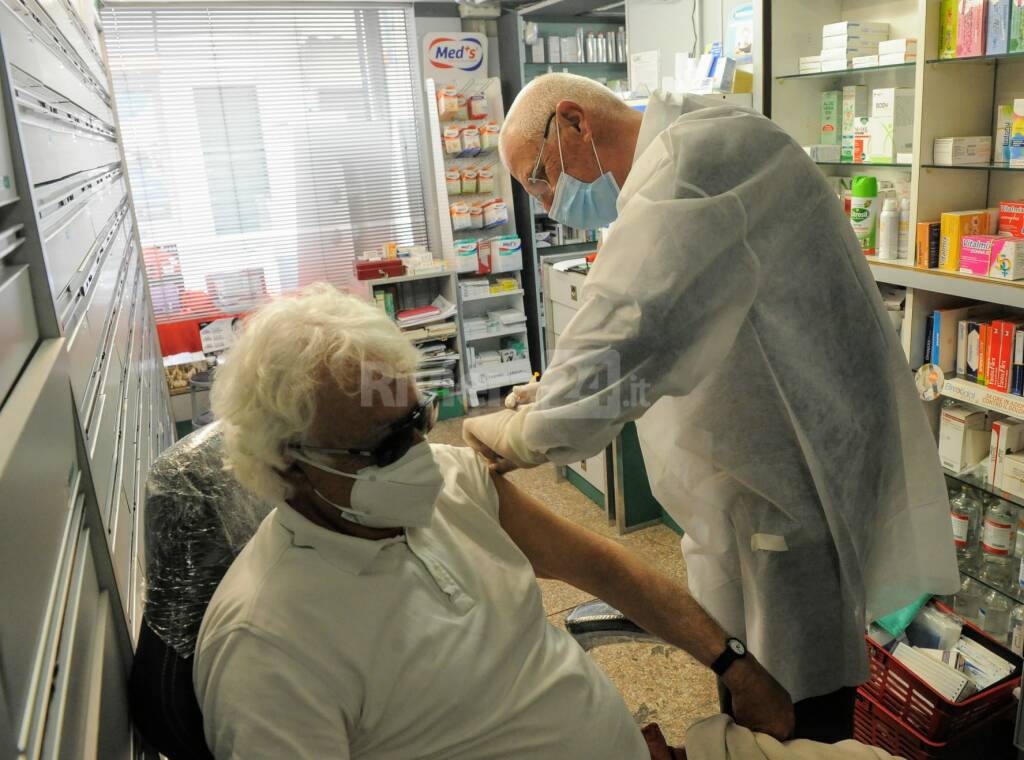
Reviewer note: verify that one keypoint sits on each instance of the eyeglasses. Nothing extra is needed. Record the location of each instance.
(533, 179)
(400, 436)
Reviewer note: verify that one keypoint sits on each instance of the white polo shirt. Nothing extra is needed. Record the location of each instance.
(432, 645)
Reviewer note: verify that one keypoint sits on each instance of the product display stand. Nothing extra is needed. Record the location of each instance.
(495, 353)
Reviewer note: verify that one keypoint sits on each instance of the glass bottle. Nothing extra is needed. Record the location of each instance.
(968, 599)
(997, 544)
(994, 615)
(1017, 629)
(965, 514)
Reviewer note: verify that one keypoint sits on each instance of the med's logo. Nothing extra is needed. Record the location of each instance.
(463, 53)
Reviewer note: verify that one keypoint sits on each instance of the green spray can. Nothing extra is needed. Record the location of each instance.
(864, 212)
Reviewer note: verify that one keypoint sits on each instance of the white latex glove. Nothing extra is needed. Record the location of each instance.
(522, 395)
(498, 438)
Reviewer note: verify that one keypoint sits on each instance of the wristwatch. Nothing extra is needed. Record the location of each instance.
(734, 650)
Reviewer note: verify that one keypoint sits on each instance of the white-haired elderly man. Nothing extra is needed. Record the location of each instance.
(731, 313)
(388, 608)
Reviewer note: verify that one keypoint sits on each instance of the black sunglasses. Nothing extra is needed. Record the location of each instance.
(400, 435)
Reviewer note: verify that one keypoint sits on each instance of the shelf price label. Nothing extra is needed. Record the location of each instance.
(979, 395)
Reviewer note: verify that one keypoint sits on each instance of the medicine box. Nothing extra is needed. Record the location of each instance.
(861, 139)
(1007, 438)
(894, 59)
(1011, 218)
(855, 104)
(852, 40)
(954, 151)
(1003, 129)
(864, 61)
(949, 14)
(1007, 259)
(976, 254)
(901, 45)
(896, 103)
(831, 110)
(537, 52)
(570, 50)
(963, 438)
(997, 37)
(855, 27)
(956, 224)
(845, 54)
(1016, 43)
(554, 50)
(836, 65)
(970, 35)
(827, 154)
(1012, 478)
(881, 148)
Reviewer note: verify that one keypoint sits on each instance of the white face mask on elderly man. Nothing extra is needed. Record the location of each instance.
(400, 495)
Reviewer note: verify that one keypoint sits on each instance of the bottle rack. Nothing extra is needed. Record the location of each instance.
(479, 380)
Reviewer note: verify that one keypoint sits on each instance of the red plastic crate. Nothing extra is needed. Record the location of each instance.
(917, 705)
(989, 738)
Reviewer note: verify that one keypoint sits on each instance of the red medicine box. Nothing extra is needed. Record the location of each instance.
(1011, 218)
(373, 270)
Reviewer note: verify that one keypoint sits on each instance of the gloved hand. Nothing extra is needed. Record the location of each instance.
(759, 702)
(522, 395)
(498, 438)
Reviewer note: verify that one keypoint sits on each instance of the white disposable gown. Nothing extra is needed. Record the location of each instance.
(785, 436)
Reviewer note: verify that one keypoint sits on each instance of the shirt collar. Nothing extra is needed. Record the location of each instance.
(349, 553)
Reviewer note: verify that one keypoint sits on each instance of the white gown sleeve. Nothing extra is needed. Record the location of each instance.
(258, 701)
(662, 307)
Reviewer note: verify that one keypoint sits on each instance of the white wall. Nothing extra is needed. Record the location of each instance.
(663, 25)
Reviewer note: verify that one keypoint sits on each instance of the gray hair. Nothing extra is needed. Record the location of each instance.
(530, 110)
(265, 392)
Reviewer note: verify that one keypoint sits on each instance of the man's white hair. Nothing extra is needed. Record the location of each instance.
(532, 107)
(265, 392)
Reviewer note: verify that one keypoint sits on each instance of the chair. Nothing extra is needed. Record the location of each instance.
(596, 623)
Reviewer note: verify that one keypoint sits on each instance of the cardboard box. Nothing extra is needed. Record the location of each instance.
(901, 45)
(1007, 438)
(880, 148)
(963, 437)
(537, 52)
(1016, 43)
(554, 50)
(997, 35)
(833, 54)
(852, 40)
(828, 154)
(831, 117)
(897, 104)
(861, 139)
(956, 224)
(956, 151)
(855, 27)
(1012, 479)
(895, 59)
(570, 50)
(864, 61)
(970, 35)
(1003, 129)
(855, 105)
(976, 254)
(838, 65)
(1011, 218)
(949, 14)
(1007, 259)
(927, 245)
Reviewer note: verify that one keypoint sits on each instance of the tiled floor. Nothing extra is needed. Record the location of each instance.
(659, 683)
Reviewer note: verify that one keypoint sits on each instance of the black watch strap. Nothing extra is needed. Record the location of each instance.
(734, 650)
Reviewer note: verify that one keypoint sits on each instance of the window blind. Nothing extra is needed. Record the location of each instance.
(266, 144)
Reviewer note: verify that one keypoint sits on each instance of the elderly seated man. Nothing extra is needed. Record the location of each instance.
(387, 607)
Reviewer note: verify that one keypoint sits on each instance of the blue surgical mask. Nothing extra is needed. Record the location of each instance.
(584, 205)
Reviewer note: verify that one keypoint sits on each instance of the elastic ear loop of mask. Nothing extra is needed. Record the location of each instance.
(558, 136)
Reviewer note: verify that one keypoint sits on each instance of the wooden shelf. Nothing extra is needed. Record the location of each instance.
(1004, 292)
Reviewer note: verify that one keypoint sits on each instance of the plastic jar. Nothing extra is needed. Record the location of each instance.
(452, 141)
(485, 181)
(469, 180)
(453, 181)
(477, 106)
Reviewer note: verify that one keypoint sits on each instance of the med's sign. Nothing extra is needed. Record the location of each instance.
(454, 56)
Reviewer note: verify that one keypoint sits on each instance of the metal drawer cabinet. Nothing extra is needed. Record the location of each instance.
(18, 330)
(39, 484)
(101, 434)
(28, 47)
(87, 715)
(120, 540)
(56, 147)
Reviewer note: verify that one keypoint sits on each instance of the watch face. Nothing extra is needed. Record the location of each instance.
(737, 647)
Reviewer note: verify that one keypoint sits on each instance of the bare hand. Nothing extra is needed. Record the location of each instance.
(758, 701)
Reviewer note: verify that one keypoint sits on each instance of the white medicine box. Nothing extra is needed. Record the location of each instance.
(1007, 438)
(963, 438)
(1012, 479)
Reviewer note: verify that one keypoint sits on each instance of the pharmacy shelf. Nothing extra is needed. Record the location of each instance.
(407, 278)
(863, 166)
(847, 72)
(519, 329)
(1007, 57)
(575, 65)
(986, 398)
(991, 166)
(517, 379)
(1006, 293)
(972, 479)
(489, 296)
(973, 572)
(586, 245)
